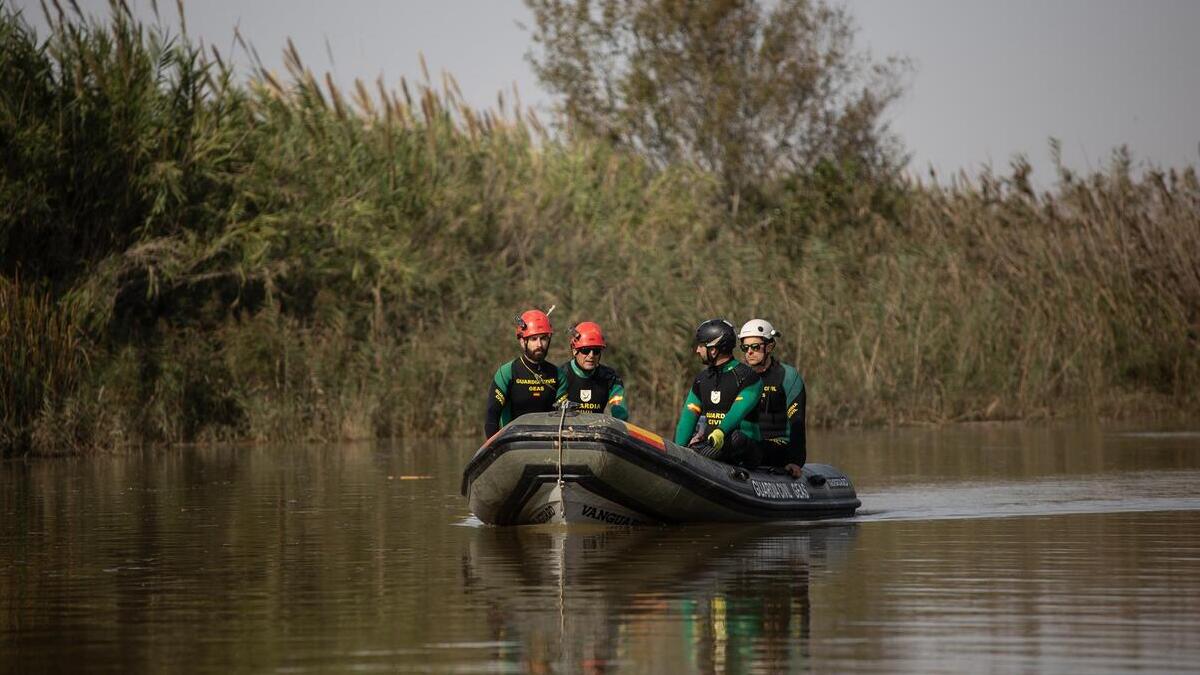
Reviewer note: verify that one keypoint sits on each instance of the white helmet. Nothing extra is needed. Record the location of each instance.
(759, 328)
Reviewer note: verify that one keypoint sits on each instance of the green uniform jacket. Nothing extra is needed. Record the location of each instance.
(574, 379)
(520, 387)
(781, 414)
(739, 415)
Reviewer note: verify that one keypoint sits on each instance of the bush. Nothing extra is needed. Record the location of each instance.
(207, 260)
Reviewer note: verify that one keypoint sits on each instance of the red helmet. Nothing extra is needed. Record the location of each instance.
(533, 322)
(587, 334)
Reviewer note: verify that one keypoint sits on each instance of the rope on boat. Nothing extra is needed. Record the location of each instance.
(562, 552)
(562, 419)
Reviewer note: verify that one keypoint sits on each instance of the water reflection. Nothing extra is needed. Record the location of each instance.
(728, 599)
(1024, 549)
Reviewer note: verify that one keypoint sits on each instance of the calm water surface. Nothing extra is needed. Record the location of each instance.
(997, 548)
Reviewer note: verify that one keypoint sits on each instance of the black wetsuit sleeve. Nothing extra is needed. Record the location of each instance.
(491, 420)
(497, 400)
(797, 449)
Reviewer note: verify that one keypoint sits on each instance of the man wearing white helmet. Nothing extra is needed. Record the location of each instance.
(781, 406)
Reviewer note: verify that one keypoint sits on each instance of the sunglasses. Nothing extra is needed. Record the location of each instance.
(590, 350)
(756, 347)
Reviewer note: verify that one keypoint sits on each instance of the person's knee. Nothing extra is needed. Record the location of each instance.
(742, 450)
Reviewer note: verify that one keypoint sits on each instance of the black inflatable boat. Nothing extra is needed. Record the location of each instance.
(569, 467)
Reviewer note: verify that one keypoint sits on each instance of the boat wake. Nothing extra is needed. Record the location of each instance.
(1101, 493)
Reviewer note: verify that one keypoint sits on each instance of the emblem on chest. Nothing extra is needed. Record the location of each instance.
(714, 396)
(585, 395)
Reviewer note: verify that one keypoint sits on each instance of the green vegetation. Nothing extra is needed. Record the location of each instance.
(745, 91)
(188, 258)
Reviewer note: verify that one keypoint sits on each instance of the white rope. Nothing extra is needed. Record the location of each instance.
(562, 419)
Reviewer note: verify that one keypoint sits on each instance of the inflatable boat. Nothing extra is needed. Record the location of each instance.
(571, 467)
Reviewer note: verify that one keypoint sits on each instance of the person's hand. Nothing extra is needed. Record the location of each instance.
(795, 470)
(717, 439)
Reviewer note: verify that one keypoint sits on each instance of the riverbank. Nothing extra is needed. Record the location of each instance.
(189, 257)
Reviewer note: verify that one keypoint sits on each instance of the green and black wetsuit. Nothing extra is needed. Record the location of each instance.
(781, 416)
(594, 390)
(727, 396)
(520, 386)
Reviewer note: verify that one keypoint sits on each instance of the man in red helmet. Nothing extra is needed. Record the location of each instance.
(528, 383)
(587, 383)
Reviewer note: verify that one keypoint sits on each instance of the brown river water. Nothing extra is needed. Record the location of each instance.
(1002, 548)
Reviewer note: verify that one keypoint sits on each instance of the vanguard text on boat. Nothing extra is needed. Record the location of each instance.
(589, 468)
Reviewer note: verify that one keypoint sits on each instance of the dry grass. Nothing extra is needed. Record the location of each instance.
(278, 260)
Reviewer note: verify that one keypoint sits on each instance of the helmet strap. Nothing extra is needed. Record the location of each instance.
(711, 356)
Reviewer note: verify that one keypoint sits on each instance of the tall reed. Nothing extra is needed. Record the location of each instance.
(42, 360)
(277, 259)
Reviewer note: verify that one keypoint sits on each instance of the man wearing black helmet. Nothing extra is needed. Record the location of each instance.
(722, 404)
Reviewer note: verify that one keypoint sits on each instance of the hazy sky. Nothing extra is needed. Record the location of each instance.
(993, 78)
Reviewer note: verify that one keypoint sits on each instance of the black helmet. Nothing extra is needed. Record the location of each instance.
(718, 334)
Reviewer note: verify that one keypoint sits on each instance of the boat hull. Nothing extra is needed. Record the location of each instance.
(614, 473)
